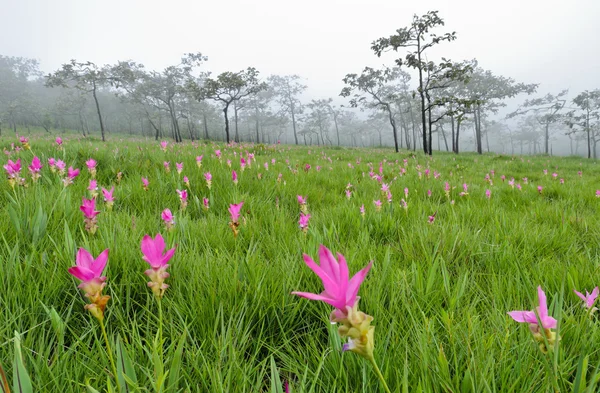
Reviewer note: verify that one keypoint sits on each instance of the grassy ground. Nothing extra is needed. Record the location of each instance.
(439, 292)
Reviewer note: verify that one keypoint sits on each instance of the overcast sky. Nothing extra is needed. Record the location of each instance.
(552, 42)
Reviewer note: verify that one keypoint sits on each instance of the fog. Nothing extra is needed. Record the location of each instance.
(550, 43)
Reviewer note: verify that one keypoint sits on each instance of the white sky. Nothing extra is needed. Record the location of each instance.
(552, 42)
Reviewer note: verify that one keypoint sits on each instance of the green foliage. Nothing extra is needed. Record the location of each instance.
(439, 292)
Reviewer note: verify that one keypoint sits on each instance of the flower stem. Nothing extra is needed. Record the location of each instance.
(160, 329)
(379, 375)
(108, 349)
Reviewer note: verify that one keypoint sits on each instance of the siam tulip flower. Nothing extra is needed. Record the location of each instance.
(234, 211)
(242, 163)
(153, 250)
(25, 142)
(540, 189)
(167, 166)
(273, 161)
(404, 205)
(109, 198)
(511, 183)
(525, 180)
(89, 215)
(384, 188)
(503, 178)
(13, 171)
(168, 218)
(91, 166)
(429, 193)
(163, 145)
(406, 192)
(60, 166)
(465, 190)
(208, 178)
(52, 164)
(205, 203)
(183, 196)
(554, 175)
(59, 142)
(427, 173)
(234, 177)
(119, 177)
(279, 177)
(545, 172)
(362, 210)
(93, 188)
(536, 319)
(348, 194)
(229, 163)
(302, 201)
(562, 181)
(303, 222)
(488, 194)
(218, 154)
(519, 186)
(259, 175)
(447, 189)
(377, 204)
(89, 271)
(199, 161)
(179, 167)
(145, 183)
(589, 298)
(71, 175)
(266, 166)
(341, 292)
(35, 168)
(389, 197)
(431, 218)
(307, 167)
(597, 193)
(579, 173)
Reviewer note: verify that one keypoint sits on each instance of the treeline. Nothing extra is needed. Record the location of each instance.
(410, 104)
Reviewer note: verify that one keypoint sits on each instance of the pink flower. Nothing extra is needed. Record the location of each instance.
(540, 189)
(208, 178)
(59, 141)
(91, 164)
(167, 166)
(488, 194)
(429, 193)
(88, 208)
(362, 210)
(348, 194)
(186, 181)
(35, 166)
(205, 203)
(234, 177)
(218, 154)
(385, 188)
(145, 183)
(340, 291)
(168, 218)
(87, 268)
(153, 250)
(179, 166)
(432, 218)
(234, 210)
(377, 204)
(51, 163)
(108, 195)
(93, 185)
(531, 317)
(13, 168)
(406, 192)
(60, 165)
(72, 173)
(163, 145)
(199, 161)
(301, 200)
(589, 298)
(303, 222)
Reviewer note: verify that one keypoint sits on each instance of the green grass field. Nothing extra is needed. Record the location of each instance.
(439, 292)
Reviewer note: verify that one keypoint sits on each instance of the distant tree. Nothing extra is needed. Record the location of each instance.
(287, 89)
(419, 37)
(227, 88)
(15, 95)
(317, 118)
(586, 118)
(546, 110)
(487, 91)
(374, 89)
(87, 77)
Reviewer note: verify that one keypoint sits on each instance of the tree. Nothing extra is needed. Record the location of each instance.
(227, 88)
(546, 110)
(419, 37)
(15, 95)
(586, 117)
(317, 119)
(374, 90)
(87, 77)
(487, 91)
(287, 89)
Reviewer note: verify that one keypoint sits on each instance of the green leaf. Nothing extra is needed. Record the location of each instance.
(125, 370)
(21, 380)
(176, 364)
(3, 381)
(90, 389)
(276, 386)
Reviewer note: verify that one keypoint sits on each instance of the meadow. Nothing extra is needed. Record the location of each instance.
(448, 264)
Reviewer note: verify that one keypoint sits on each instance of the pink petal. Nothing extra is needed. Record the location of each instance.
(523, 316)
(81, 273)
(328, 263)
(84, 259)
(354, 284)
(312, 296)
(100, 263)
(549, 323)
(595, 293)
(543, 308)
(343, 276)
(168, 255)
(331, 287)
(581, 296)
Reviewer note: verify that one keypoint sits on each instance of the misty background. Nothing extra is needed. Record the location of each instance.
(549, 43)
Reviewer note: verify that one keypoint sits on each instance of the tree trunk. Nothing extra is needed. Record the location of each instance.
(546, 138)
(445, 140)
(422, 94)
(393, 124)
(587, 128)
(458, 121)
(453, 145)
(235, 117)
(99, 114)
(429, 147)
(337, 130)
(226, 122)
(477, 118)
(294, 124)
